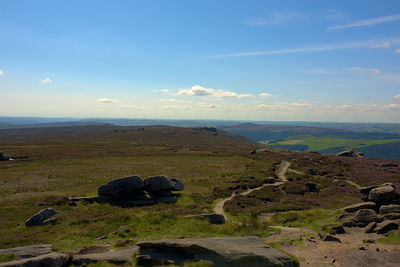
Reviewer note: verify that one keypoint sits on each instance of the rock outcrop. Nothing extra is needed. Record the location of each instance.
(3, 158)
(359, 206)
(350, 153)
(382, 195)
(392, 208)
(133, 191)
(229, 251)
(123, 256)
(380, 198)
(42, 217)
(28, 251)
(48, 260)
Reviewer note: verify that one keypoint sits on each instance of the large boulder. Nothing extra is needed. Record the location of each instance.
(41, 218)
(350, 153)
(392, 208)
(366, 189)
(365, 216)
(359, 206)
(162, 183)
(3, 158)
(387, 226)
(382, 195)
(48, 260)
(247, 251)
(28, 251)
(123, 188)
(123, 256)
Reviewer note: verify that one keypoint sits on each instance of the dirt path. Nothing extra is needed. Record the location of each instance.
(351, 251)
(280, 173)
(353, 184)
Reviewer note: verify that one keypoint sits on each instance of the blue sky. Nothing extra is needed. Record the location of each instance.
(247, 60)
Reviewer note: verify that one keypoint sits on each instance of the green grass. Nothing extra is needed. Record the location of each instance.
(327, 142)
(391, 239)
(318, 220)
(8, 257)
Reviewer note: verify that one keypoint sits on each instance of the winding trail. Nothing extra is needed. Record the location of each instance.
(280, 173)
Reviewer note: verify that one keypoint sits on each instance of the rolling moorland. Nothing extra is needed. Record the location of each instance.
(51, 165)
(380, 143)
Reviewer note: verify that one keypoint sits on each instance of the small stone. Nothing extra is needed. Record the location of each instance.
(362, 248)
(331, 238)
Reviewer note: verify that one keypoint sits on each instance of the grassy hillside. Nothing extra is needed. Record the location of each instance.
(55, 163)
(323, 140)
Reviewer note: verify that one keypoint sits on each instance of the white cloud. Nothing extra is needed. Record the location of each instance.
(365, 70)
(132, 107)
(165, 91)
(317, 71)
(47, 80)
(316, 48)
(172, 100)
(396, 97)
(275, 17)
(198, 90)
(367, 22)
(383, 45)
(397, 51)
(175, 107)
(107, 100)
(265, 95)
(284, 106)
(1, 72)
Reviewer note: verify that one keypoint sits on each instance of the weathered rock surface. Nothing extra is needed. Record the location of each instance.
(163, 183)
(230, 251)
(370, 227)
(350, 153)
(41, 217)
(365, 190)
(331, 238)
(3, 158)
(123, 188)
(365, 216)
(47, 260)
(387, 226)
(28, 251)
(392, 208)
(123, 256)
(382, 195)
(338, 229)
(213, 218)
(359, 206)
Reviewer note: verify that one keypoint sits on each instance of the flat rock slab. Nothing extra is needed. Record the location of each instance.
(392, 208)
(28, 251)
(40, 218)
(247, 251)
(123, 256)
(359, 206)
(47, 260)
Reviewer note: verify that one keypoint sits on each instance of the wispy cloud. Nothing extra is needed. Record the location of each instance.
(47, 80)
(316, 48)
(275, 17)
(1, 72)
(132, 107)
(396, 97)
(265, 95)
(367, 22)
(365, 70)
(397, 51)
(198, 90)
(107, 100)
(317, 71)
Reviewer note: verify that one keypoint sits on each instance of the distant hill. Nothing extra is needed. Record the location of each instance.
(323, 140)
(274, 133)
